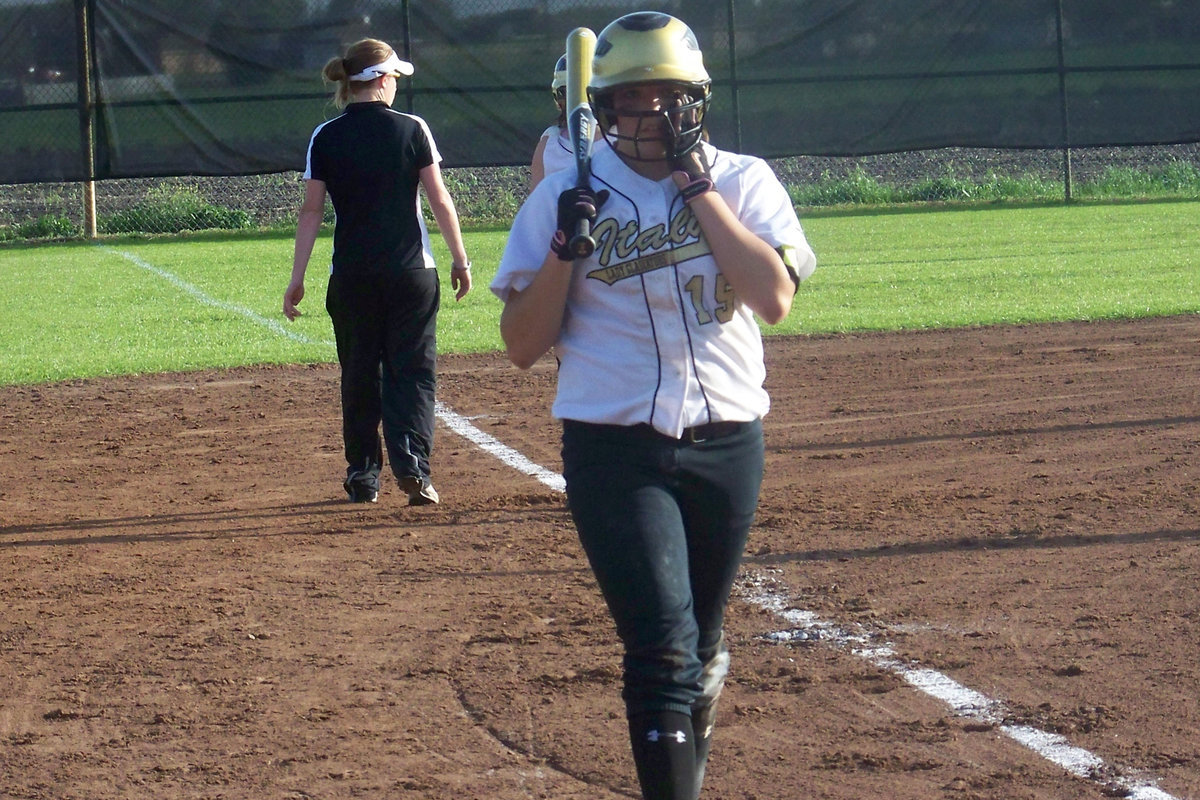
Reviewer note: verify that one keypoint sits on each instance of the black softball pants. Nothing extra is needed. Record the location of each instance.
(664, 524)
(385, 325)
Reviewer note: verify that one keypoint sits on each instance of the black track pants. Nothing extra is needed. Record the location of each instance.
(386, 331)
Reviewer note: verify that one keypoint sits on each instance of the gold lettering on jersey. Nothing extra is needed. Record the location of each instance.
(651, 262)
(610, 240)
(628, 241)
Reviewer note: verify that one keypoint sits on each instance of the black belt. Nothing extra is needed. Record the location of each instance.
(695, 434)
(712, 430)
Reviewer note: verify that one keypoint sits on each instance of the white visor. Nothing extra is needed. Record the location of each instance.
(393, 66)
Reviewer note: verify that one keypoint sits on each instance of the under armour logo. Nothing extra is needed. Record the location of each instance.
(655, 735)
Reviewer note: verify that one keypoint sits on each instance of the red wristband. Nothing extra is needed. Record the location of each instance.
(558, 246)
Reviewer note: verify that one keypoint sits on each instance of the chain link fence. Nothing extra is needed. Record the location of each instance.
(492, 195)
(193, 203)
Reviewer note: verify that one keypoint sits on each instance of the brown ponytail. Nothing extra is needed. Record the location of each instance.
(360, 55)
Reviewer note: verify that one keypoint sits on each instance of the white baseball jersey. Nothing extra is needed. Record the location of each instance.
(557, 155)
(652, 331)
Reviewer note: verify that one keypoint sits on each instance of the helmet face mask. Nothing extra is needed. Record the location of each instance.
(649, 47)
(665, 133)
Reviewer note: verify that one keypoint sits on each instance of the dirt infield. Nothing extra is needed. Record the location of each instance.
(191, 610)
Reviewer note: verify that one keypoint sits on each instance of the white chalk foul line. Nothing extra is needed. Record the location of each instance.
(767, 593)
(209, 300)
(490, 444)
(806, 625)
(459, 424)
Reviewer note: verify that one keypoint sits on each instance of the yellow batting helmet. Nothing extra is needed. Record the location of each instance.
(651, 47)
(647, 46)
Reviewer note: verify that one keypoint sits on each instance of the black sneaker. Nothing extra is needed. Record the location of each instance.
(419, 490)
(363, 487)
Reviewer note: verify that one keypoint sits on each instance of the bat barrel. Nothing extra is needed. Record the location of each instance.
(581, 46)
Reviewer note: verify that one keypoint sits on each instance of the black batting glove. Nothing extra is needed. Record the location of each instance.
(574, 205)
(695, 167)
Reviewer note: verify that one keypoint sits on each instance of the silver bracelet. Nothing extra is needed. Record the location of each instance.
(466, 267)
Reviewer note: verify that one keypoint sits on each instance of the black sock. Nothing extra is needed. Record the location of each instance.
(665, 755)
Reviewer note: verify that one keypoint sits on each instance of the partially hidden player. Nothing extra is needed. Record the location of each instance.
(660, 381)
(553, 151)
(383, 290)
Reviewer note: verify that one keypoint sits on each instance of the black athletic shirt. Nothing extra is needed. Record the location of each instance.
(370, 158)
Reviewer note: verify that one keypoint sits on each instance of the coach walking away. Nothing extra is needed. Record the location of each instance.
(660, 380)
(383, 291)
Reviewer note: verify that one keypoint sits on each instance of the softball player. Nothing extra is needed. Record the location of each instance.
(553, 151)
(383, 293)
(660, 380)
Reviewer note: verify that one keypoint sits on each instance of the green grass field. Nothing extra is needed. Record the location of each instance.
(141, 305)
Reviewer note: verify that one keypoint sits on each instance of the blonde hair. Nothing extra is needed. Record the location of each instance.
(360, 55)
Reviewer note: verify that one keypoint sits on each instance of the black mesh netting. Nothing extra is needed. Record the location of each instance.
(234, 88)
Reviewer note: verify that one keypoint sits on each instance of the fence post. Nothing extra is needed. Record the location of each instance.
(87, 132)
(733, 76)
(406, 10)
(1064, 116)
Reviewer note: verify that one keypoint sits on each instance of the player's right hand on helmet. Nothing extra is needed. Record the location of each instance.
(574, 205)
(693, 164)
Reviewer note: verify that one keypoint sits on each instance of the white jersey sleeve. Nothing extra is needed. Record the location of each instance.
(762, 204)
(529, 239)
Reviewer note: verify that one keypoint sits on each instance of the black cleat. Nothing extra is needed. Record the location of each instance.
(363, 487)
(419, 490)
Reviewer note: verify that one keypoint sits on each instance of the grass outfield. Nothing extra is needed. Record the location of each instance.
(122, 306)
